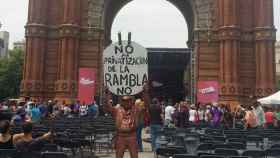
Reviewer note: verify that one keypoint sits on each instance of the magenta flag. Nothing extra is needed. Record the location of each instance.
(87, 82)
(207, 91)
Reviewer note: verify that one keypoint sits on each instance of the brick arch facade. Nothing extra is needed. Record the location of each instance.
(233, 42)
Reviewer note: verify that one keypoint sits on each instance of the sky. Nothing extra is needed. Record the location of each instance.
(150, 26)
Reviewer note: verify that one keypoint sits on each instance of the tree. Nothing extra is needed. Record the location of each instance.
(11, 74)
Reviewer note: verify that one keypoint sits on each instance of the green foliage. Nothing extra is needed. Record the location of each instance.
(11, 74)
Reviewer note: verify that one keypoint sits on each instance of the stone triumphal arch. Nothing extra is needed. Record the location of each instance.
(232, 40)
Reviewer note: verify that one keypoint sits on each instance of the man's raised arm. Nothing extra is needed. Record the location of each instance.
(146, 95)
(108, 101)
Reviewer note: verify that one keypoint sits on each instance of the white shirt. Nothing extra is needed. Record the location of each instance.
(169, 111)
(192, 115)
(83, 110)
(201, 115)
(66, 110)
(207, 112)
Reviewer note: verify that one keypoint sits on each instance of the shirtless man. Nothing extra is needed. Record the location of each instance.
(126, 119)
(22, 140)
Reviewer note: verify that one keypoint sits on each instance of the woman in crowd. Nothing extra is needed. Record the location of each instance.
(156, 121)
(227, 117)
(216, 115)
(168, 115)
(258, 110)
(208, 115)
(140, 125)
(193, 119)
(181, 114)
(269, 117)
(277, 117)
(6, 138)
(201, 113)
(250, 120)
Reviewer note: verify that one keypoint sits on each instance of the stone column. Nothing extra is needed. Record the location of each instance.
(264, 33)
(36, 34)
(229, 35)
(66, 84)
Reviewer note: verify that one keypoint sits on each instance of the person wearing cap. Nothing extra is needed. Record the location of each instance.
(126, 118)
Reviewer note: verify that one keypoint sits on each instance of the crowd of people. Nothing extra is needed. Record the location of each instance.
(35, 111)
(211, 115)
(27, 113)
(214, 115)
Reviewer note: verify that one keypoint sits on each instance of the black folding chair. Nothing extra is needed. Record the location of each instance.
(54, 155)
(205, 147)
(223, 146)
(212, 156)
(206, 139)
(204, 154)
(50, 148)
(254, 153)
(8, 153)
(275, 153)
(184, 156)
(237, 146)
(273, 139)
(235, 136)
(237, 140)
(170, 151)
(179, 140)
(275, 146)
(255, 139)
(219, 138)
(226, 152)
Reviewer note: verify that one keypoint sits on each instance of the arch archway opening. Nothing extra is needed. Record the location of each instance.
(164, 28)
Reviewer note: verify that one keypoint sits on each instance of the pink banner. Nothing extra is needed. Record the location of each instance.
(87, 82)
(207, 91)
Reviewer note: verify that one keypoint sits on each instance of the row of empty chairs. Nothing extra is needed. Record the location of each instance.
(218, 142)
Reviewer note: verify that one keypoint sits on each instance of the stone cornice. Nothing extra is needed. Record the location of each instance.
(206, 35)
(229, 32)
(272, 28)
(32, 86)
(36, 30)
(65, 86)
(265, 34)
(69, 30)
(35, 25)
(84, 33)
